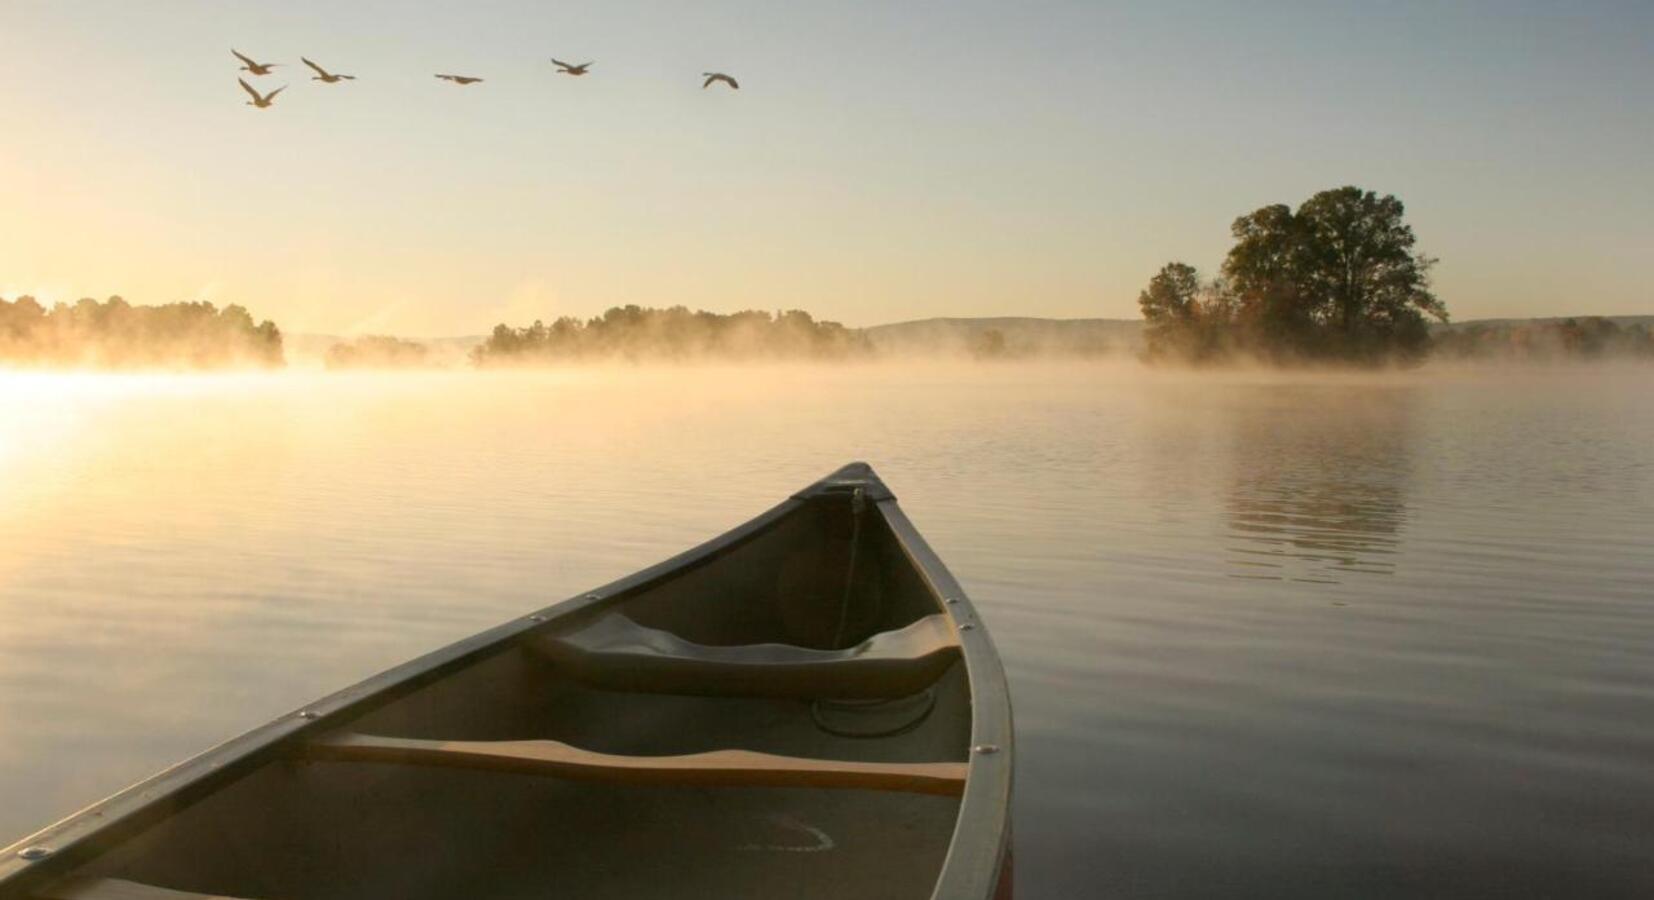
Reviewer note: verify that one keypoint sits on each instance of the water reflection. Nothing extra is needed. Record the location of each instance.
(1318, 497)
(183, 557)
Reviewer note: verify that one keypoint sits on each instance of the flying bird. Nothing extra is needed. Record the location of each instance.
(566, 69)
(718, 76)
(324, 75)
(262, 101)
(460, 79)
(254, 68)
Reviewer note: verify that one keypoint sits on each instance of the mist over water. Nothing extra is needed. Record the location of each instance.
(1279, 634)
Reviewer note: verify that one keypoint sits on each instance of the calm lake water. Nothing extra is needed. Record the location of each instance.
(1267, 636)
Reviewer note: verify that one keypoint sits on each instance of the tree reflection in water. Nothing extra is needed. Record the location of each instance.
(1317, 497)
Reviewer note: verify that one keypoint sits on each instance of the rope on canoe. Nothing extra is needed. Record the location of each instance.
(927, 698)
(858, 504)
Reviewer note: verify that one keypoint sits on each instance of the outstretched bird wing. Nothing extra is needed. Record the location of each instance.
(238, 55)
(319, 70)
(249, 89)
(272, 95)
(561, 63)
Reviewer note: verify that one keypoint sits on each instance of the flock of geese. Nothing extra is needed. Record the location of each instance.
(264, 101)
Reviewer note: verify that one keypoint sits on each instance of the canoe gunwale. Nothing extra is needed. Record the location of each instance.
(978, 859)
(978, 850)
(94, 830)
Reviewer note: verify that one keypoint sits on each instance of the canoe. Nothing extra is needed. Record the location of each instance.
(805, 707)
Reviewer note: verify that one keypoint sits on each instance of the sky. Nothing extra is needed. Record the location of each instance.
(882, 161)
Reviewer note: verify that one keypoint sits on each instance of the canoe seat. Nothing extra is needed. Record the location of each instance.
(612, 651)
(720, 768)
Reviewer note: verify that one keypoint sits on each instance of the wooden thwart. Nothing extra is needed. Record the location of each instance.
(118, 889)
(731, 768)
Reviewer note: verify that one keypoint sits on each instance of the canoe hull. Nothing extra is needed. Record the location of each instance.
(832, 565)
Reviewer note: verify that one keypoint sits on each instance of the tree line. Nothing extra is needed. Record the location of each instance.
(377, 351)
(1338, 280)
(633, 333)
(114, 334)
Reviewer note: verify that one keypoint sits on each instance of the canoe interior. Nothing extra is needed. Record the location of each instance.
(298, 828)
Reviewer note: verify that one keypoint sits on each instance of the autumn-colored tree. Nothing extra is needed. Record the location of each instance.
(1187, 319)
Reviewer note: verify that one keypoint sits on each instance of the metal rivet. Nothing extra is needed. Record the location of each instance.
(308, 714)
(986, 748)
(536, 618)
(953, 600)
(594, 596)
(32, 853)
(966, 626)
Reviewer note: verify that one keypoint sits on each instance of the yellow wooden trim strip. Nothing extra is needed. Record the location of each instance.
(733, 768)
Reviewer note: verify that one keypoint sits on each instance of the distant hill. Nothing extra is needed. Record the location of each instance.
(1030, 336)
(1622, 321)
(946, 336)
(1023, 336)
(1548, 339)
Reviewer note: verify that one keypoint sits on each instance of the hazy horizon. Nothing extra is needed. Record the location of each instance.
(879, 163)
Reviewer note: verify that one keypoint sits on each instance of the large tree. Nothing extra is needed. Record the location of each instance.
(1337, 278)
